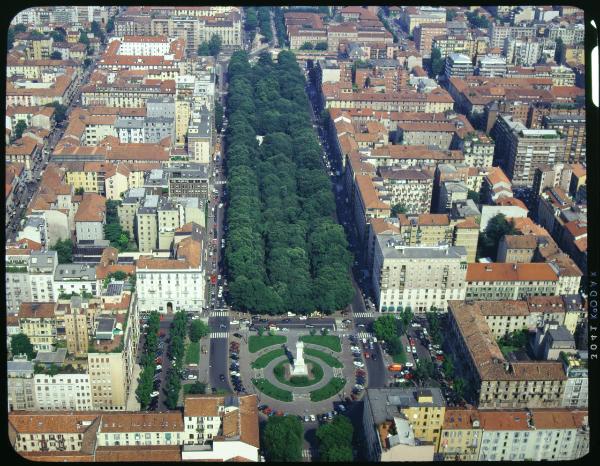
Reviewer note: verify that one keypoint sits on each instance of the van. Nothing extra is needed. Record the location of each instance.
(395, 367)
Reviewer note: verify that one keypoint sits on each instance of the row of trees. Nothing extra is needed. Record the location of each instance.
(251, 22)
(282, 439)
(280, 29)
(284, 252)
(264, 22)
(335, 440)
(317, 46)
(176, 352)
(145, 380)
(210, 48)
(478, 21)
(389, 328)
(64, 250)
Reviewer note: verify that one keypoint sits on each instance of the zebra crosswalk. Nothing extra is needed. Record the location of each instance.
(363, 314)
(219, 334)
(365, 335)
(219, 314)
(309, 453)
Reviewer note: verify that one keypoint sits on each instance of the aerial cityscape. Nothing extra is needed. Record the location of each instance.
(296, 233)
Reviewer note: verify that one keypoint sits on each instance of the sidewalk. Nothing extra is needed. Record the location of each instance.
(132, 402)
(203, 365)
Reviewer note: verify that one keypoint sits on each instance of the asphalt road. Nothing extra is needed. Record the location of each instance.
(219, 354)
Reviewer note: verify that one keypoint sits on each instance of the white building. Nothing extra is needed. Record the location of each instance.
(172, 284)
(417, 276)
(74, 278)
(145, 46)
(42, 267)
(458, 65)
(491, 66)
(63, 392)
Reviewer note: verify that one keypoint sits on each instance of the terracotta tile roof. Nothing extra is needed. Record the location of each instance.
(469, 222)
(36, 310)
(162, 453)
(520, 241)
(527, 226)
(398, 151)
(249, 432)
(503, 420)
(576, 228)
(368, 193)
(511, 201)
(33, 422)
(460, 419)
(508, 272)
(135, 152)
(545, 304)
(404, 174)
(154, 263)
(433, 219)
(91, 209)
(502, 308)
(190, 250)
(102, 271)
(554, 419)
(444, 127)
(22, 247)
(23, 146)
(380, 225)
(496, 176)
(578, 170)
(142, 422)
(58, 456)
(581, 244)
(202, 406)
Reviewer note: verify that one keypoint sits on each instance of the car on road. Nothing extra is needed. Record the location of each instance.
(302, 317)
(306, 418)
(192, 377)
(358, 364)
(234, 322)
(309, 326)
(409, 364)
(222, 326)
(222, 378)
(373, 356)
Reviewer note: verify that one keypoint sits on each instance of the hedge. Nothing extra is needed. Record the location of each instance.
(271, 390)
(327, 359)
(262, 361)
(329, 341)
(256, 343)
(329, 390)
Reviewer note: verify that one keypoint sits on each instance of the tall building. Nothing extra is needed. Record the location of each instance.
(63, 392)
(572, 127)
(416, 276)
(520, 150)
(20, 385)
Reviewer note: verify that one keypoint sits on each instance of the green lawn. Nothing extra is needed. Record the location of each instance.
(328, 341)
(271, 390)
(329, 390)
(399, 357)
(256, 343)
(298, 381)
(262, 361)
(192, 353)
(328, 359)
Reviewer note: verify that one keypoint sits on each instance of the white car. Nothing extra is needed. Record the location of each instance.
(158, 367)
(359, 387)
(302, 317)
(234, 322)
(408, 349)
(192, 377)
(313, 418)
(235, 373)
(359, 364)
(154, 394)
(409, 364)
(415, 324)
(195, 317)
(354, 348)
(414, 350)
(284, 329)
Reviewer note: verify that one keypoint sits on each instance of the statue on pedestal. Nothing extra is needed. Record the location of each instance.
(299, 366)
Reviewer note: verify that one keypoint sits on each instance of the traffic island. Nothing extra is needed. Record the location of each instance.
(256, 343)
(327, 359)
(334, 386)
(328, 341)
(272, 391)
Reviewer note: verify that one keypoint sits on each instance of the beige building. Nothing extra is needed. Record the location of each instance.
(416, 414)
(517, 248)
(410, 188)
(38, 322)
(141, 429)
(76, 328)
(494, 382)
(496, 281)
(417, 276)
(111, 366)
(460, 439)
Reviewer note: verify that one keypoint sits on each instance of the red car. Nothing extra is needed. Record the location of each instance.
(408, 376)
(267, 411)
(367, 355)
(158, 360)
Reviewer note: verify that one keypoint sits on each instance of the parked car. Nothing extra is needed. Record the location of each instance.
(358, 364)
(409, 364)
(302, 317)
(154, 393)
(313, 418)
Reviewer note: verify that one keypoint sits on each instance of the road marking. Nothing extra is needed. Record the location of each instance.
(365, 335)
(363, 314)
(219, 314)
(219, 334)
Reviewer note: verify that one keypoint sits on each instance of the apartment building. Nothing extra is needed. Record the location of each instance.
(90, 217)
(534, 435)
(417, 276)
(199, 135)
(411, 188)
(495, 382)
(188, 180)
(63, 392)
(517, 248)
(140, 429)
(436, 101)
(72, 435)
(497, 281)
(170, 285)
(17, 284)
(498, 33)
(411, 17)
(38, 322)
(20, 385)
(570, 34)
(460, 438)
(491, 66)
(572, 127)
(110, 366)
(146, 223)
(478, 149)
(520, 150)
(424, 34)
(424, 409)
(25, 150)
(220, 428)
(576, 388)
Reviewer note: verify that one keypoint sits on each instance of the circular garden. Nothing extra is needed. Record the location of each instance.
(276, 380)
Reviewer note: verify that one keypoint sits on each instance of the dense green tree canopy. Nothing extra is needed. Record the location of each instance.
(283, 251)
(282, 439)
(64, 250)
(198, 329)
(335, 440)
(20, 344)
(496, 228)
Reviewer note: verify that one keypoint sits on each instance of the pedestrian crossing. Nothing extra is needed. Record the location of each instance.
(219, 313)
(363, 314)
(219, 334)
(365, 335)
(309, 453)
